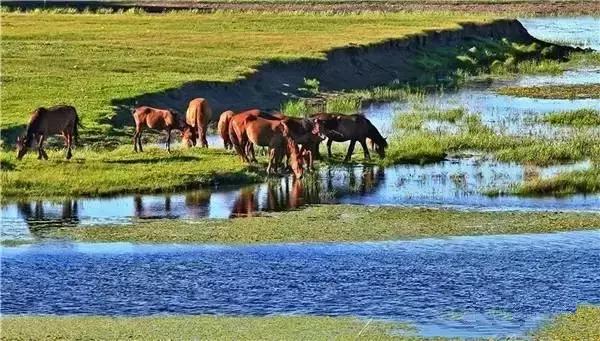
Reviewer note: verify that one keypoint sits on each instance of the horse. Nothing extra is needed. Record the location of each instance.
(197, 116)
(340, 128)
(60, 119)
(301, 130)
(160, 119)
(237, 132)
(275, 135)
(223, 128)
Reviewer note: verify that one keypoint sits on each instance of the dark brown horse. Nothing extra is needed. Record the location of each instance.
(301, 130)
(275, 135)
(197, 116)
(159, 119)
(60, 119)
(340, 128)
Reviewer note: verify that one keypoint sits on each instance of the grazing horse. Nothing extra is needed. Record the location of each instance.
(198, 115)
(159, 119)
(60, 119)
(301, 130)
(237, 132)
(223, 128)
(342, 128)
(274, 134)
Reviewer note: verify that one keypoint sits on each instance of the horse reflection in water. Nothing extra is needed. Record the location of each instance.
(326, 187)
(194, 205)
(41, 220)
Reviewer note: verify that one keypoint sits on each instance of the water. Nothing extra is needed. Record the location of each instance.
(574, 31)
(464, 286)
(454, 183)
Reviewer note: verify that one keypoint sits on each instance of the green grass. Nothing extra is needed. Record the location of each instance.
(576, 118)
(336, 223)
(202, 327)
(416, 145)
(88, 60)
(583, 181)
(98, 173)
(553, 91)
(582, 324)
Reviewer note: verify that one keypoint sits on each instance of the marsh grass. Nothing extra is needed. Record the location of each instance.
(582, 324)
(100, 173)
(335, 223)
(581, 181)
(343, 104)
(200, 327)
(576, 118)
(553, 91)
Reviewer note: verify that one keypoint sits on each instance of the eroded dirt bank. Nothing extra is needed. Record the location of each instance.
(351, 67)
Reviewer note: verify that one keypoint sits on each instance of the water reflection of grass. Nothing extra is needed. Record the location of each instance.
(336, 223)
(181, 327)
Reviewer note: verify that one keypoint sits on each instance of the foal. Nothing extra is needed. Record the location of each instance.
(159, 119)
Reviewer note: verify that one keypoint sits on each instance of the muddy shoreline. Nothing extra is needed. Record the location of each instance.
(346, 68)
(527, 7)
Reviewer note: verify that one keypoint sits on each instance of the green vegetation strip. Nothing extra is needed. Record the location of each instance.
(575, 118)
(99, 173)
(553, 91)
(583, 324)
(96, 58)
(336, 223)
(196, 328)
(584, 181)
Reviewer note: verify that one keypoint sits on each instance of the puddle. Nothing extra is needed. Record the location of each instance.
(462, 286)
(453, 183)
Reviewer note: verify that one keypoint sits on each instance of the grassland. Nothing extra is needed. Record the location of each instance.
(88, 59)
(336, 223)
(195, 328)
(98, 173)
(553, 91)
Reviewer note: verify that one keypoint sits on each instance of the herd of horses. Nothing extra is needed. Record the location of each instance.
(295, 139)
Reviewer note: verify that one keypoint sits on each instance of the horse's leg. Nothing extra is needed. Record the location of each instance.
(203, 136)
(251, 152)
(350, 151)
(135, 137)
(363, 144)
(272, 160)
(41, 151)
(168, 143)
(69, 141)
(329, 143)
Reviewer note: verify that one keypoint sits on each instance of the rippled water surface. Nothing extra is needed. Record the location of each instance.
(467, 286)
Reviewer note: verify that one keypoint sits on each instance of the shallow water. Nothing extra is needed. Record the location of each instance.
(579, 31)
(455, 183)
(464, 286)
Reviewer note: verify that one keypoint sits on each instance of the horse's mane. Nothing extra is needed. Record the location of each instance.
(34, 123)
(374, 134)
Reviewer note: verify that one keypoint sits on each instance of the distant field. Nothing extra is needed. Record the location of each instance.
(90, 59)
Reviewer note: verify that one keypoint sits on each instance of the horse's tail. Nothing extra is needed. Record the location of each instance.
(235, 141)
(77, 124)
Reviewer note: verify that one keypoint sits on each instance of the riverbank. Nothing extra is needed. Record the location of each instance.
(335, 223)
(583, 324)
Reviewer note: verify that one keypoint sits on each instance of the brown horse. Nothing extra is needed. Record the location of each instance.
(237, 132)
(301, 130)
(274, 134)
(198, 115)
(340, 128)
(159, 119)
(223, 128)
(60, 119)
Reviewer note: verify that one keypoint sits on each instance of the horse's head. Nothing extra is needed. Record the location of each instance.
(380, 147)
(22, 147)
(188, 136)
(296, 160)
